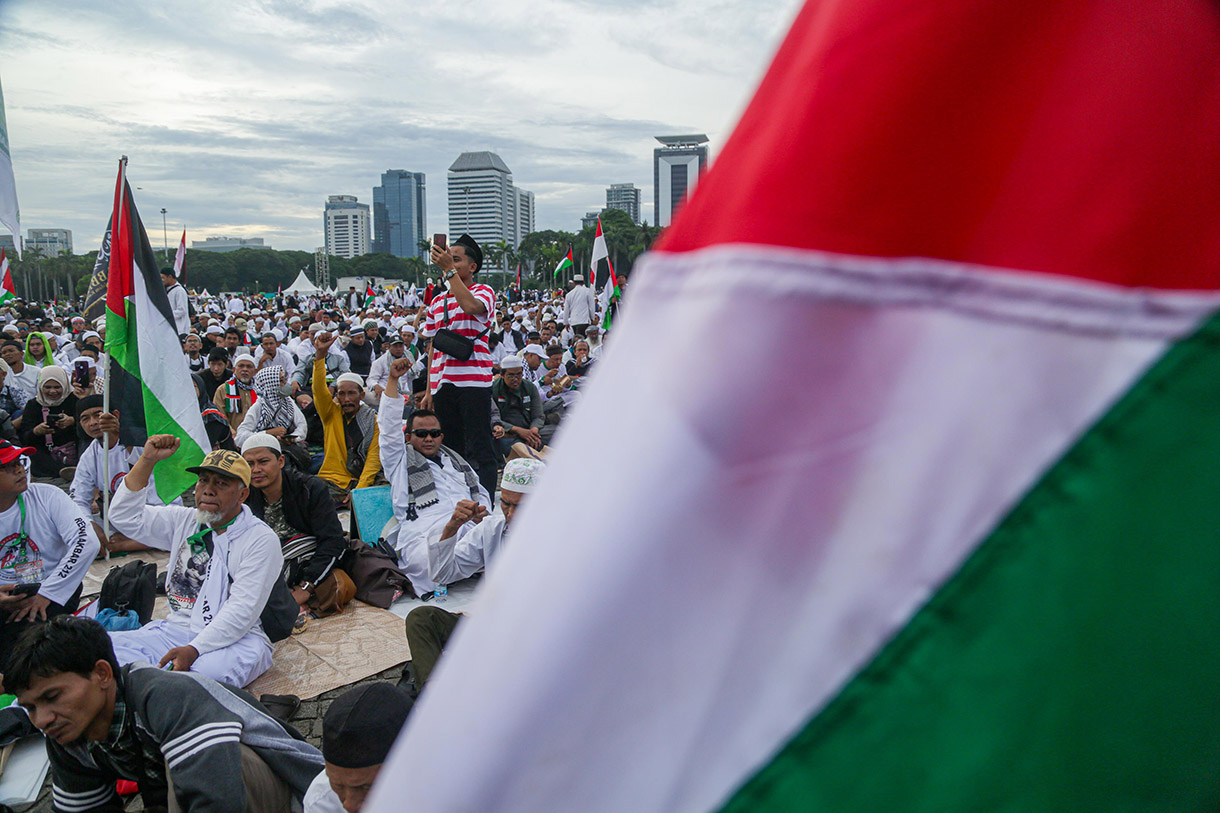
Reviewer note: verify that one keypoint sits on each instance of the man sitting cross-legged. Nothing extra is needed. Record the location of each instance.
(298, 507)
(189, 742)
(223, 563)
(460, 548)
(427, 479)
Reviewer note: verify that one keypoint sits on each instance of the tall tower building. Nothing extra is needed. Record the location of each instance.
(400, 213)
(346, 224)
(484, 203)
(625, 196)
(676, 168)
(525, 215)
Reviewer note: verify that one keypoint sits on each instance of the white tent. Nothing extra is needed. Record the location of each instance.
(302, 285)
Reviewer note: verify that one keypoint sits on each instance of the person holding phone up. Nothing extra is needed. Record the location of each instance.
(50, 424)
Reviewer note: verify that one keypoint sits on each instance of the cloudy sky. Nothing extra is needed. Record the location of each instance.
(240, 118)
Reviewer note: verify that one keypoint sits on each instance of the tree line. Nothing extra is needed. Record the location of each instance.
(42, 277)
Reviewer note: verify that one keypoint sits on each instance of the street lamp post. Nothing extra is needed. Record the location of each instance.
(165, 236)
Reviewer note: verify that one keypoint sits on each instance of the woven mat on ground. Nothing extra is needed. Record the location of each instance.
(92, 583)
(332, 652)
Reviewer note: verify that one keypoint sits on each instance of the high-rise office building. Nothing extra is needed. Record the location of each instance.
(400, 213)
(625, 196)
(346, 224)
(525, 215)
(589, 220)
(51, 241)
(484, 203)
(676, 168)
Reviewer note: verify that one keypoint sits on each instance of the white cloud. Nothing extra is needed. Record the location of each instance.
(242, 117)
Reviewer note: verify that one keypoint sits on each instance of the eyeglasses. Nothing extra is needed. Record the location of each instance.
(427, 433)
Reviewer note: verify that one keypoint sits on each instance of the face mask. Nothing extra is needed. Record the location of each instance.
(286, 389)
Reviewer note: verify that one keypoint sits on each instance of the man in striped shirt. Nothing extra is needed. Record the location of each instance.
(459, 392)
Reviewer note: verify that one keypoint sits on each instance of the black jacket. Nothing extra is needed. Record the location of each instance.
(309, 508)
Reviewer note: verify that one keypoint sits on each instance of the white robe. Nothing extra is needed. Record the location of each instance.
(410, 537)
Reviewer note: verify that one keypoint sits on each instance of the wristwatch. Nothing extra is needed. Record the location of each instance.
(449, 274)
(308, 587)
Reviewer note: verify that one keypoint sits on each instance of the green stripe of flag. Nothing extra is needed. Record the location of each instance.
(171, 479)
(1072, 663)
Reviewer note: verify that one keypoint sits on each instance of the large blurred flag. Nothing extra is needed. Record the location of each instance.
(953, 547)
(150, 384)
(10, 214)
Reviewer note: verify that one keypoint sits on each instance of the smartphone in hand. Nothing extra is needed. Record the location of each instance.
(441, 241)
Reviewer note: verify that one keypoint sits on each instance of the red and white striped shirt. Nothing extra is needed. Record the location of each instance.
(476, 371)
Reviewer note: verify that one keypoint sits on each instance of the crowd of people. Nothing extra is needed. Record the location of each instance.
(450, 395)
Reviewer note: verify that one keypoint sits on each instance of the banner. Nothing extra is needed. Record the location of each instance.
(95, 297)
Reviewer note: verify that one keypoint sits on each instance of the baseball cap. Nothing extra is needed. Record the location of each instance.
(10, 452)
(222, 461)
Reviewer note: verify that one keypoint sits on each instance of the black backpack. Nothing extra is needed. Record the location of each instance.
(132, 586)
(281, 610)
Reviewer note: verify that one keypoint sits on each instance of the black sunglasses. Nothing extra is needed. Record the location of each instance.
(427, 433)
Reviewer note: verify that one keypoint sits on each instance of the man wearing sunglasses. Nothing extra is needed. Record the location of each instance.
(427, 478)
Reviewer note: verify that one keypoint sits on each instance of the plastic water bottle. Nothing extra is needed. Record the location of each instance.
(441, 593)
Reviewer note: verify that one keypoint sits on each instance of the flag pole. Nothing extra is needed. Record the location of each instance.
(122, 198)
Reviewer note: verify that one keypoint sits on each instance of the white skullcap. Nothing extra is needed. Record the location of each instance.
(521, 475)
(11, 329)
(243, 357)
(510, 363)
(407, 327)
(212, 330)
(261, 440)
(536, 349)
(352, 377)
(89, 334)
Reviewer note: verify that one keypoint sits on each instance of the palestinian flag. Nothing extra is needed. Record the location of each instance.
(565, 266)
(150, 385)
(369, 293)
(609, 281)
(957, 550)
(8, 291)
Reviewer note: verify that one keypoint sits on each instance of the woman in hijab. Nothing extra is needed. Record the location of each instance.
(50, 425)
(274, 412)
(38, 350)
(220, 434)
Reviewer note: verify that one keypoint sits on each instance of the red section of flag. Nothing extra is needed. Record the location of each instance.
(119, 281)
(7, 283)
(1078, 139)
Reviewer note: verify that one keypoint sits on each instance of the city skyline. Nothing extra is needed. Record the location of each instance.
(240, 119)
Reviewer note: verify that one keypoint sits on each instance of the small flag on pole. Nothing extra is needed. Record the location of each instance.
(7, 289)
(180, 261)
(610, 290)
(565, 265)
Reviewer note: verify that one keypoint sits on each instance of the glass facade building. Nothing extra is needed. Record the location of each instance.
(400, 213)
